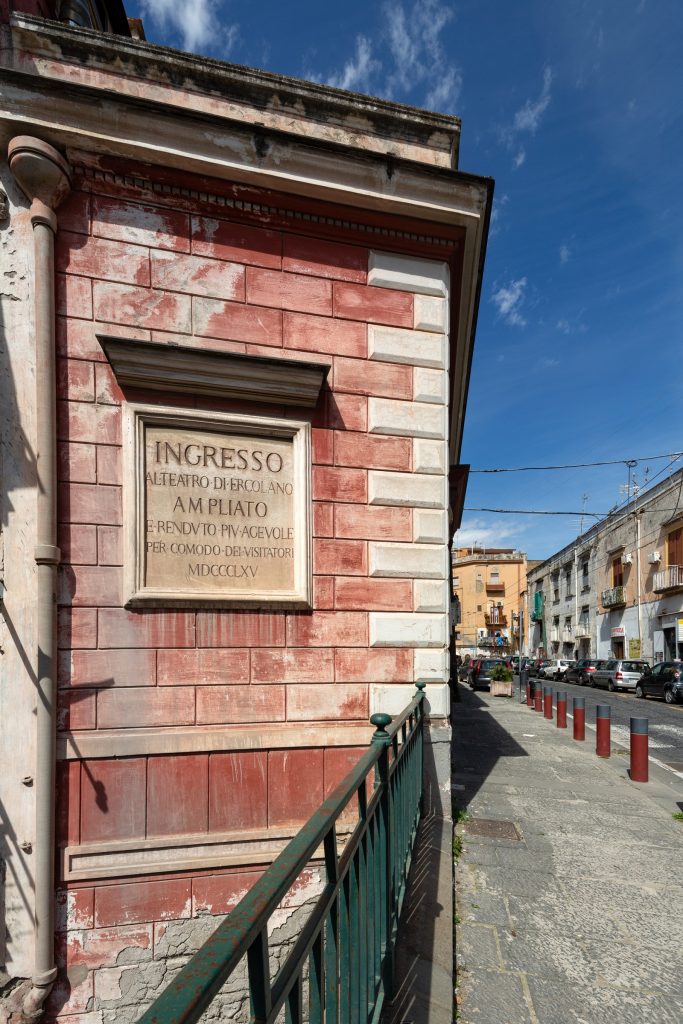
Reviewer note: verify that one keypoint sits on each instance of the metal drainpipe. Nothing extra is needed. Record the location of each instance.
(45, 178)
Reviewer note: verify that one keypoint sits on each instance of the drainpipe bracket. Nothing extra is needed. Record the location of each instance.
(42, 214)
(45, 978)
(47, 554)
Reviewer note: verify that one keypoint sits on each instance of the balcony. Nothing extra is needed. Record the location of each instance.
(567, 635)
(668, 579)
(496, 617)
(613, 597)
(554, 635)
(495, 588)
(583, 630)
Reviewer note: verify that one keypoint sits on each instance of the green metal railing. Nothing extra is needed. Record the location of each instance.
(339, 969)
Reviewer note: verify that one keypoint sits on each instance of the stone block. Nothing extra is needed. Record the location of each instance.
(73, 297)
(373, 523)
(222, 705)
(309, 333)
(367, 378)
(426, 277)
(429, 456)
(295, 787)
(347, 412)
(431, 314)
(113, 804)
(321, 258)
(340, 557)
(238, 792)
(149, 900)
(140, 223)
(408, 419)
(121, 628)
(341, 702)
(107, 668)
(406, 489)
(355, 449)
(143, 307)
(228, 240)
(376, 305)
(177, 794)
(257, 325)
(430, 527)
(297, 292)
(240, 629)
(377, 666)
(327, 629)
(430, 386)
(378, 595)
(76, 462)
(430, 595)
(432, 665)
(150, 706)
(102, 259)
(407, 629)
(393, 345)
(416, 561)
(198, 275)
(340, 484)
(297, 666)
(217, 894)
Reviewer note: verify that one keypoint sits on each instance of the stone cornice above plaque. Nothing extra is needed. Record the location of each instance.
(149, 365)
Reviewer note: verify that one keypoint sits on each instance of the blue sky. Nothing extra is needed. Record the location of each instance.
(575, 108)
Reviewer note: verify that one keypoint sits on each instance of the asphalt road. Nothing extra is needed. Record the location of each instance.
(666, 721)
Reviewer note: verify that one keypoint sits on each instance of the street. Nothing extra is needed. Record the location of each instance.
(666, 721)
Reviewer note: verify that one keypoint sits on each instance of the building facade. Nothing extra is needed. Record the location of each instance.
(488, 586)
(236, 343)
(617, 591)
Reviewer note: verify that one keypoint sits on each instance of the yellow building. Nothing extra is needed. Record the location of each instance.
(488, 587)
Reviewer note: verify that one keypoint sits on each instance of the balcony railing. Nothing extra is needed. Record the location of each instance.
(613, 597)
(496, 618)
(554, 635)
(583, 629)
(567, 635)
(340, 964)
(668, 579)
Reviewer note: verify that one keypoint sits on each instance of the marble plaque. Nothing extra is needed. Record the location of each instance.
(220, 509)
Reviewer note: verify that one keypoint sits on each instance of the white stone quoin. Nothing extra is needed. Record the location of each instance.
(396, 345)
(427, 277)
(430, 314)
(432, 665)
(430, 527)
(419, 561)
(429, 456)
(387, 488)
(430, 385)
(407, 629)
(408, 419)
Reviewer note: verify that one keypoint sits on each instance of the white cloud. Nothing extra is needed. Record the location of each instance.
(357, 72)
(509, 299)
(564, 326)
(548, 362)
(415, 60)
(528, 117)
(526, 120)
(199, 23)
(499, 204)
(484, 533)
(565, 253)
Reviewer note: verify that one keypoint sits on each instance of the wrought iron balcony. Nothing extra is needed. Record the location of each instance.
(668, 579)
(583, 629)
(613, 597)
(496, 617)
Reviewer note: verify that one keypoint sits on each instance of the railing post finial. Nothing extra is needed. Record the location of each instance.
(381, 720)
(421, 686)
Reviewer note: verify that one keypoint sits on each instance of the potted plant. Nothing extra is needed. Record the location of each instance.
(501, 681)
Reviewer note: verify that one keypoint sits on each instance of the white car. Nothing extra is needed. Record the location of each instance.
(555, 668)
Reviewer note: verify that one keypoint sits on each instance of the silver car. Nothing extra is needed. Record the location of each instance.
(619, 674)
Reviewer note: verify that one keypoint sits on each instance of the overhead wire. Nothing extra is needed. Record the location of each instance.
(579, 465)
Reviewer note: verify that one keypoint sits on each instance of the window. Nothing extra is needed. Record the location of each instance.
(495, 576)
(674, 547)
(617, 572)
(568, 581)
(456, 581)
(584, 573)
(478, 607)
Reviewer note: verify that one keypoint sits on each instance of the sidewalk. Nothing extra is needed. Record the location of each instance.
(580, 919)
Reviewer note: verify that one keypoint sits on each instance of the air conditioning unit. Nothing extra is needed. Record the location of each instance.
(626, 558)
(654, 558)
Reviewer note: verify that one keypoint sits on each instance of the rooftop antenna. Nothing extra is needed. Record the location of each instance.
(584, 499)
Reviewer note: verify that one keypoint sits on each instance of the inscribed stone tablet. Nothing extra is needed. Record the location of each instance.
(222, 512)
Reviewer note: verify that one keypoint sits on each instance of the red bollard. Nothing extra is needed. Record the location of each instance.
(538, 697)
(529, 695)
(548, 702)
(640, 765)
(603, 740)
(579, 710)
(561, 709)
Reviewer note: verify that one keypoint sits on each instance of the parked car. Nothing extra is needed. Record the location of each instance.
(581, 671)
(555, 668)
(480, 678)
(664, 680)
(619, 674)
(536, 665)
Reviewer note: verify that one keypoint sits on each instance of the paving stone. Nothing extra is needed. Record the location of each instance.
(492, 997)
